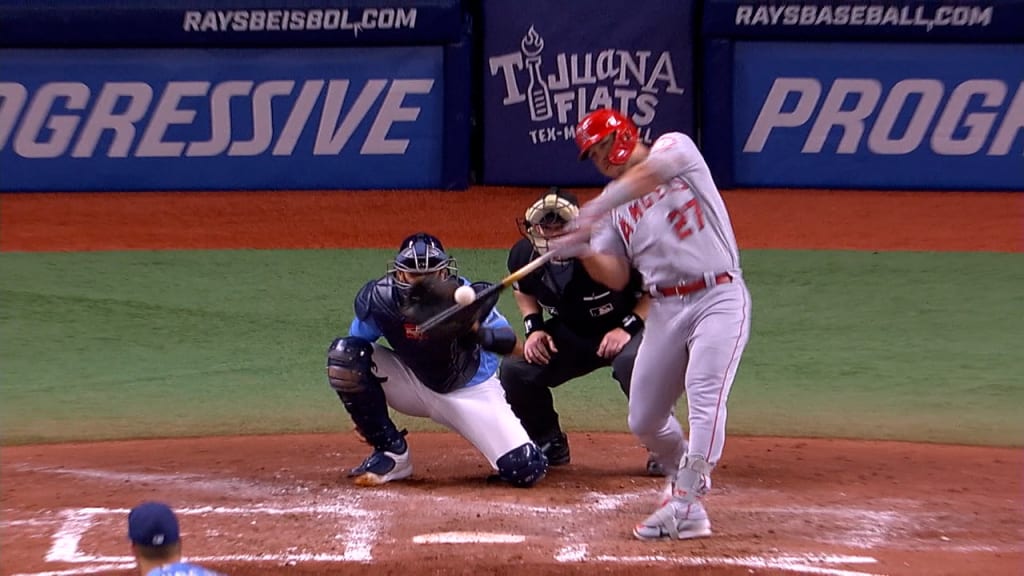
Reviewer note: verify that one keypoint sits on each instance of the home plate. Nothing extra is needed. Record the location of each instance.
(468, 538)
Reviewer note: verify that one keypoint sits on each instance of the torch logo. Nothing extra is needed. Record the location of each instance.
(537, 94)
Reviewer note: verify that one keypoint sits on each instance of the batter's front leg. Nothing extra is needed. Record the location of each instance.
(719, 338)
(721, 326)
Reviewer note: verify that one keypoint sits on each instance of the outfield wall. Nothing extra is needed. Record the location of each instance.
(907, 95)
(208, 94)
(112, 95)
(547, 64)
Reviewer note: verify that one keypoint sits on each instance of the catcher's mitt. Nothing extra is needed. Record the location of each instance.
(432, 295)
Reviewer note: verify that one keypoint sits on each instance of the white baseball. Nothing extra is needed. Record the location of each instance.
(465, 295)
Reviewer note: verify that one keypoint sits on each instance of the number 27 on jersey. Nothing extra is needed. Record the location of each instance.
(680, 218)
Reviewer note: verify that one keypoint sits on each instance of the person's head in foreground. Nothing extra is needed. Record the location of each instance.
(155, 536)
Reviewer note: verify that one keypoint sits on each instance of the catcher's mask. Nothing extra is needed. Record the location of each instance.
(421, 255)
(601, 124)
(548, 218)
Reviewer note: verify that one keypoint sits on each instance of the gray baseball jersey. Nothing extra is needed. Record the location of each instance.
(677, 234)
(679, 231)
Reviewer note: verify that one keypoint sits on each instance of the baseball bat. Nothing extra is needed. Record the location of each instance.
(485, 295)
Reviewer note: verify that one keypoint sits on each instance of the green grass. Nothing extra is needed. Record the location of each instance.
(914, 346)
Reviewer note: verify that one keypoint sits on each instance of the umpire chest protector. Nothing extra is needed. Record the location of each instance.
(567, 292)
(441, 364)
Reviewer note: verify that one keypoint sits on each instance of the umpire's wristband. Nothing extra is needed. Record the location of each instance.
(632, 324)
(533, 322)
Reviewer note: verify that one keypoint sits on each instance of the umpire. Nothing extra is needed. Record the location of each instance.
(589, 326)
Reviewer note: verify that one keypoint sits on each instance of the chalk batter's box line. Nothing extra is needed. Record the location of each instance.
(76, 523)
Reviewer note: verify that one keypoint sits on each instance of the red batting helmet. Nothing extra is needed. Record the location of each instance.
(597, 125)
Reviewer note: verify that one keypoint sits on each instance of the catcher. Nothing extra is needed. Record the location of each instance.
(589, 326)
(447, 376)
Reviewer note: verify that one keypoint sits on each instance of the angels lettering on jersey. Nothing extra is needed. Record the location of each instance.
(677, 217)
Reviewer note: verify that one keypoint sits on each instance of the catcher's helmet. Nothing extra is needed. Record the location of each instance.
(598, 125)
(421, 253)
(548, 216)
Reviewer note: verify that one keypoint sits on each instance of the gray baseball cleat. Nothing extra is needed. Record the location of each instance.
(676, 519)
(682, 515)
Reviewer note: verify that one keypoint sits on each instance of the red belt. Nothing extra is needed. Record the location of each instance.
(695, 286)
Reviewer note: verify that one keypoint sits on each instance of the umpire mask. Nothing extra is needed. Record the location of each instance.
(548, 218)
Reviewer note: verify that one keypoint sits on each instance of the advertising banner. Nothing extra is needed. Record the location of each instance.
(547, 64)
(206, 23)
(937, 116)
(877, 20)
(221, 119)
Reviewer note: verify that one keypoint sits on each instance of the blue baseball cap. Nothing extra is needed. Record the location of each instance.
(153, 524)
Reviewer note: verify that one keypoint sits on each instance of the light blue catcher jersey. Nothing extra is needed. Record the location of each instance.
(369, 328)
(182, 569)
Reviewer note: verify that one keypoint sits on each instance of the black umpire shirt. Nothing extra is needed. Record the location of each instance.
(567, 292)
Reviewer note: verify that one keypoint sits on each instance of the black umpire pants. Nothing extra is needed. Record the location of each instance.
(528, 386)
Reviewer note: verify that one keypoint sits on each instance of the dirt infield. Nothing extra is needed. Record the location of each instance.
(262, 505)
(484, 217)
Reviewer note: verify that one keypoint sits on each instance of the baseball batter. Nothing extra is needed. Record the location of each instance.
(663, 214)
(449, 379)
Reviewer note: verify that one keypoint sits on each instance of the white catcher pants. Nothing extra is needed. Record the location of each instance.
(479, 413)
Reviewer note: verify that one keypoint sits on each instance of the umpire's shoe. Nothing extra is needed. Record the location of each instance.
(382, 467)
(654, 468)
(556, 449)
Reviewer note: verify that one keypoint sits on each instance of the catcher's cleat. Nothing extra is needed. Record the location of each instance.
(556, 449)
(676, 519)
(382, 467)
